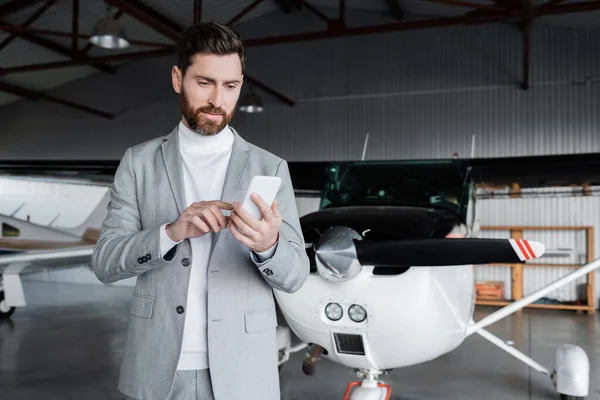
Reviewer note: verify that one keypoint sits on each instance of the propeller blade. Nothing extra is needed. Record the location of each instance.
(442, 252)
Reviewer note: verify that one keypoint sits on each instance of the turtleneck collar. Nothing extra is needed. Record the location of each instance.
(192, 142)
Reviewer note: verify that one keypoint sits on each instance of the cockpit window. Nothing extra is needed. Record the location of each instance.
(9, 230)
(442, 184)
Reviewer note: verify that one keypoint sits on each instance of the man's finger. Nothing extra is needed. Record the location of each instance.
(263, 206)
(197, 221)
(245, 229)
(223, 205)
(219, 215)
(275, 209)
(247, 218)
(236, 234)
(211, 219)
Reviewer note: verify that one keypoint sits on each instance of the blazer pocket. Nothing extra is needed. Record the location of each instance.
(141, 306)
(260, 320)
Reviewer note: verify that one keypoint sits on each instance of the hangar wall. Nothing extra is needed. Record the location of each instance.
(546, 211)
(420, 94)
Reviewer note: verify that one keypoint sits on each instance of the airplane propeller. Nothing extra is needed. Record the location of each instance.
(432, 252)
(340, 252)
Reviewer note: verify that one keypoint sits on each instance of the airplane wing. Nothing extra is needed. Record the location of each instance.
(13, 266)
(42, 260)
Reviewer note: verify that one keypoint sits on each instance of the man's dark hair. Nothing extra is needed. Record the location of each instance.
(208, 37)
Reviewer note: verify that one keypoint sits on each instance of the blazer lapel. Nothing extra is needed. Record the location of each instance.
(235, 172)
(236, 168)
(172, 160)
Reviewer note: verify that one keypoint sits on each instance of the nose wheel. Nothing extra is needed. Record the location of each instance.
(370, 388)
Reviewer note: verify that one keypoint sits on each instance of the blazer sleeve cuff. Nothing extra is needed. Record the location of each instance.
(262, 257)
(166, 244)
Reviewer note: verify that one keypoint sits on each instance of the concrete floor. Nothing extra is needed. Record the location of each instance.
(67, 345)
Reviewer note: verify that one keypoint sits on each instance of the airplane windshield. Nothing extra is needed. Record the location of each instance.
(440, 183)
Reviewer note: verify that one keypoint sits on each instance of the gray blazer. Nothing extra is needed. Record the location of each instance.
(148, 192)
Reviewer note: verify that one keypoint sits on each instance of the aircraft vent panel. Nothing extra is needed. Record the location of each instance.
(349, 344)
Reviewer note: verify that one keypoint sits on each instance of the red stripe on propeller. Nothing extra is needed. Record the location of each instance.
(527, 257)
(529, 248)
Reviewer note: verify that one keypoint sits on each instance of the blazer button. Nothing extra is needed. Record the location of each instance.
(179, 310)
(185, 262)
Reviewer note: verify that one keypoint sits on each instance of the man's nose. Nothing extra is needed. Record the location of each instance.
(216, 98)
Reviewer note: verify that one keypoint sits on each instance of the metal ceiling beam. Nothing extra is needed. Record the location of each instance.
(346, 32)
(56, 48)
(526, 55)
(501, 3)
(27, 23)
(148, 17)
(14, 6)
(569, 8)
(281, 97)
(197, 11)
(528, 16)
(75, 26)
(395, 9)
(315, 11)
(467, 4)
(26, 93)
(85, 61)
(552, 3)
(289, 5)
(172, 30)
(22, 29)
(244, 12)
(369, 30)
(342, 9)
(506, 16)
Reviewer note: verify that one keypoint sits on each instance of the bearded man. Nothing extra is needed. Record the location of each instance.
(202, 321)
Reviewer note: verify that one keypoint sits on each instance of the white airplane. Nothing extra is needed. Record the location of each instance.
(392, 246)
(22, 242)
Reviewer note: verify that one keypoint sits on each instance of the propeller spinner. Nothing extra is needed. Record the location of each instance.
(335, 254)
(340, 252)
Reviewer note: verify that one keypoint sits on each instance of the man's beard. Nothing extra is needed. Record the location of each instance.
(199, 123)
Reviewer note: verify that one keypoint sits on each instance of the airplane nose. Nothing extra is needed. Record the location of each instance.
(335, 254)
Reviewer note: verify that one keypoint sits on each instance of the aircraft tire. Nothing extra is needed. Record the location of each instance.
(5, 314)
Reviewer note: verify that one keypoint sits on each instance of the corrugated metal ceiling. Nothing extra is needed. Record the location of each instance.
(58, 18)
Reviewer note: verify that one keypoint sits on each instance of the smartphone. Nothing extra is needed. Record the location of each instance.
(266, 187)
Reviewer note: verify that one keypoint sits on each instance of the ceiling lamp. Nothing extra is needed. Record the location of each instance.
(109, 34)
(251, 103)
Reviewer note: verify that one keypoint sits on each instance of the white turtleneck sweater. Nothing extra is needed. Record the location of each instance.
(204, 161)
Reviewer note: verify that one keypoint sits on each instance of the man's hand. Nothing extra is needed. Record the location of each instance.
(258, 236)
(199, 219)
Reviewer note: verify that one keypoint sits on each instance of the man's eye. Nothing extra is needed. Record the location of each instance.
(201, 83)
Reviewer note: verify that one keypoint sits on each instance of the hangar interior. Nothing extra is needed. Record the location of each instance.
(513, 81)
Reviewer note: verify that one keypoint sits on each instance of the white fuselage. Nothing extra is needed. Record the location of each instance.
(27, 235)
(31, 231)
(412, 318)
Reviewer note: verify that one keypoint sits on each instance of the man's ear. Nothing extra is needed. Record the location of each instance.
(176, 79)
